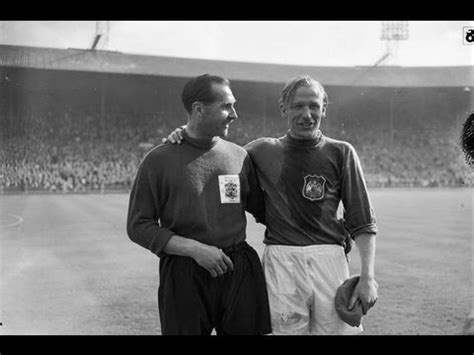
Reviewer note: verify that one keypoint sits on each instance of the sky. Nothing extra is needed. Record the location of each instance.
(313, 43)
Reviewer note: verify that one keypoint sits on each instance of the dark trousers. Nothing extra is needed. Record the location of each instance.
(191, 302)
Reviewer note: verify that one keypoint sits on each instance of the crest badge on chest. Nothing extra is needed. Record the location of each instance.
(313, 188)
(229, 188)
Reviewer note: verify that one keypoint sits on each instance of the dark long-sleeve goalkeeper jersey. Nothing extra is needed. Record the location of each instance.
(199, 189)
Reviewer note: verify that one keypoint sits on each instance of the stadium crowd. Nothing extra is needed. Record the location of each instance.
(67, 152)
(74, 154)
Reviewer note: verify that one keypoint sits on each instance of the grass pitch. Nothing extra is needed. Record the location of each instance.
(68, 267)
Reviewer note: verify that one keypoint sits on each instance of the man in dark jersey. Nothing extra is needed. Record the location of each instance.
(305, 177)
(187, 206)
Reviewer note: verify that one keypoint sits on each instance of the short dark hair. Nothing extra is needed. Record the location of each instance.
(200, 89)
(467, 139)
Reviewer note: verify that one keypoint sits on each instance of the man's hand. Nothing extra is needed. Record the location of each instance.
(213, 260)
(366, 293)
(207, 256)
(175, 137)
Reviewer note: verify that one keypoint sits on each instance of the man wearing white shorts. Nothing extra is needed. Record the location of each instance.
(302, 283)
(305, 176)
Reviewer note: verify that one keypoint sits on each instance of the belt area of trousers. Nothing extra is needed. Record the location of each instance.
(235, 248)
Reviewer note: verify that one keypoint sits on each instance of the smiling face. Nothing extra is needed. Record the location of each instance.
(215, 118)
(304, 112)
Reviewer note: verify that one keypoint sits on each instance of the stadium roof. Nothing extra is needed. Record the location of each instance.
(116, 62)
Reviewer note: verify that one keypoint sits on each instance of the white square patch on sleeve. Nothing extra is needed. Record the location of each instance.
(229, 188)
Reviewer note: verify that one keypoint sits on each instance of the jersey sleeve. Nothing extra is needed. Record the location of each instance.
(255, 200)
(359, 215)
(143, 216)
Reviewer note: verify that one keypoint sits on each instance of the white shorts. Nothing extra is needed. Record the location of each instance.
(302, 284)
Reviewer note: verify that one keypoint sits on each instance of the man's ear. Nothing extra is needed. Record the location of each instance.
(325, 107)
(197, 108)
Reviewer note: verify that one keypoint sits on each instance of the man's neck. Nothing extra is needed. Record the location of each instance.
(193, 132)
(315, 136)
(197, 138)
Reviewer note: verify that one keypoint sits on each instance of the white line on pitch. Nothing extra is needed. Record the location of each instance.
(18, 221)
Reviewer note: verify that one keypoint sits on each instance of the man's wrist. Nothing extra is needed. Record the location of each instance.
(195, 248)
(184, 246)
(367, 277)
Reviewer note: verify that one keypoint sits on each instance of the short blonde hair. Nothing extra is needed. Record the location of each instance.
(289, 90)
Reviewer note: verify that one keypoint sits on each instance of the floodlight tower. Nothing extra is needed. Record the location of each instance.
(392, 33)
(102, 29)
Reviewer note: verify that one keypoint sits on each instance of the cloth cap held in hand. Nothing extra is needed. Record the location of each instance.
(343, 295)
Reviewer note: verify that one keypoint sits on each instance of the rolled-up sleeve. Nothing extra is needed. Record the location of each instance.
(359, 214)
(255, 200)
